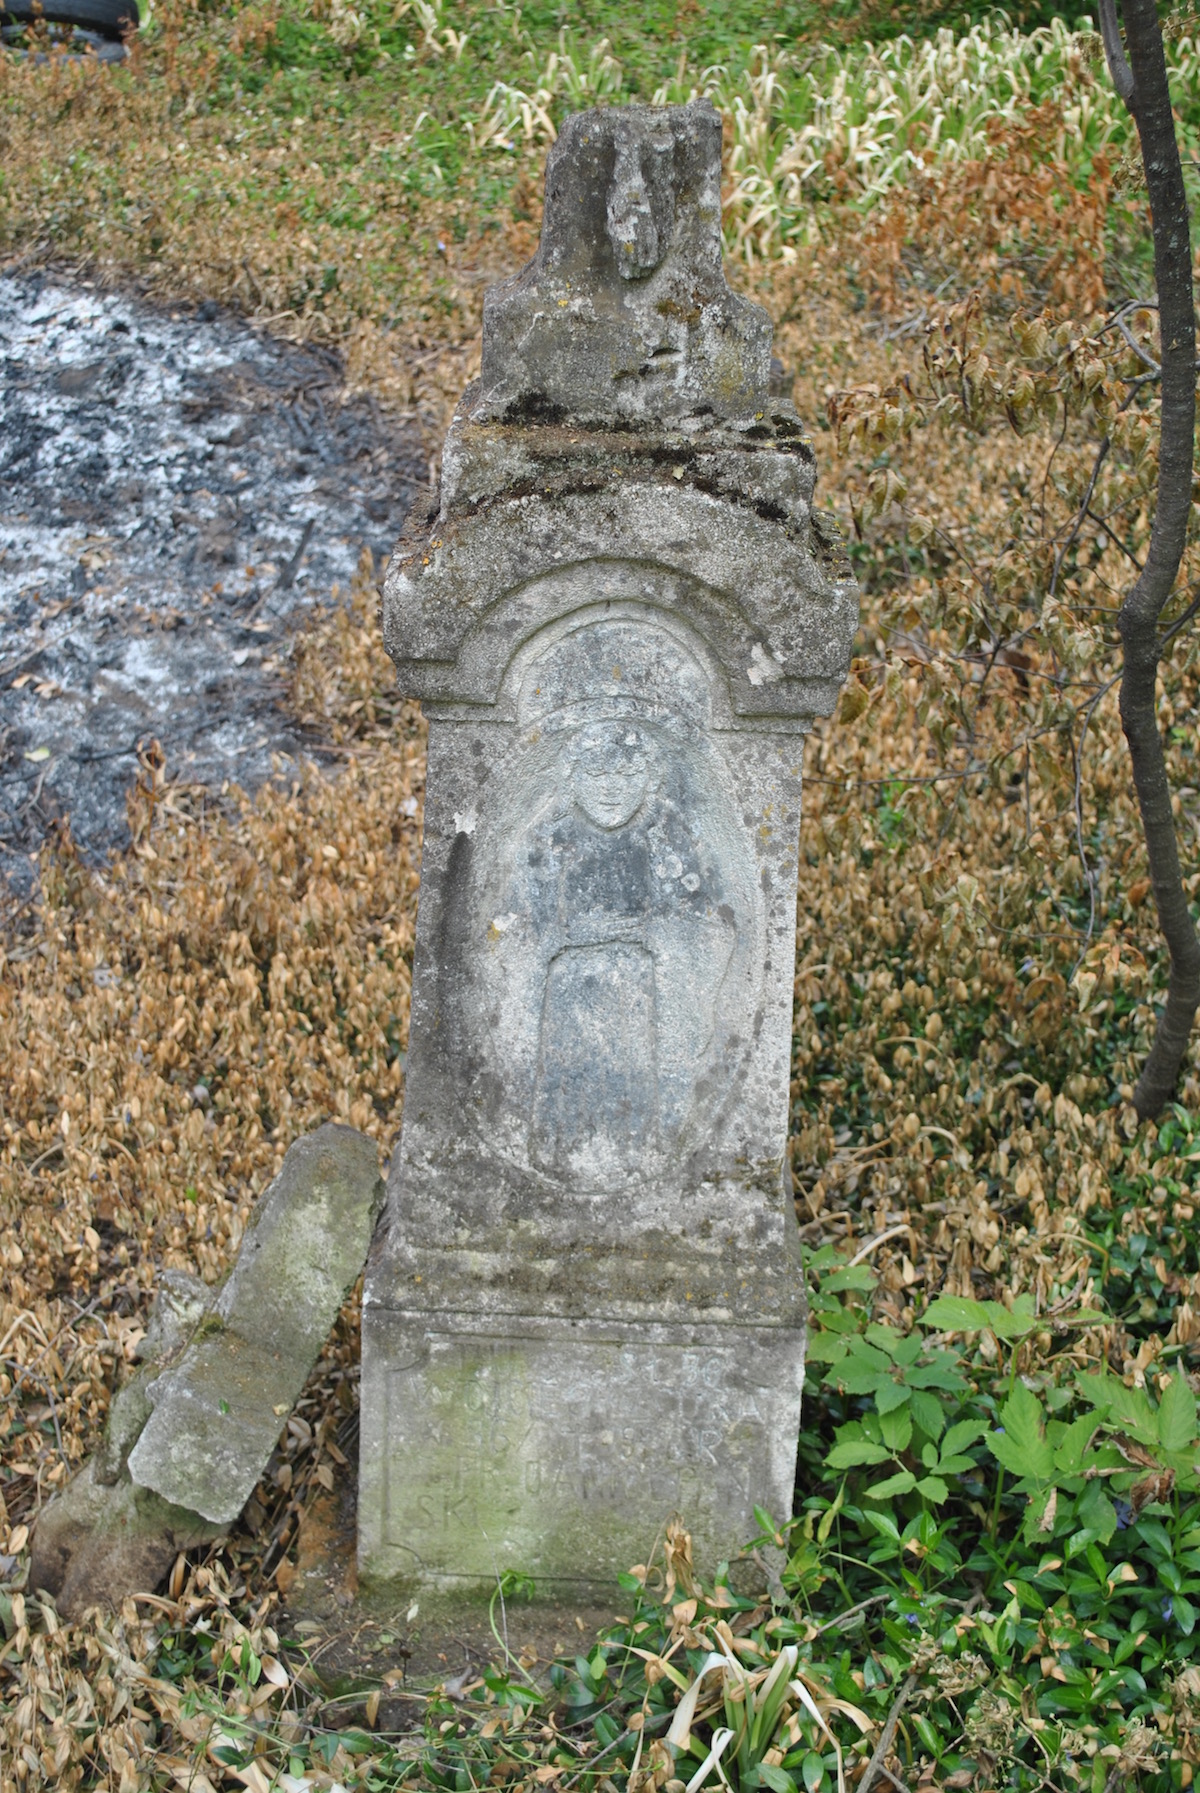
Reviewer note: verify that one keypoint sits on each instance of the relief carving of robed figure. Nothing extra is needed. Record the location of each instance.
(616, 915)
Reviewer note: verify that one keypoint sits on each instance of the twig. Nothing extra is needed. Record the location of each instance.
(865, 1251)
(1050, 463)
(658, 1722)
(22, 661)
(1084, 511)
(851, 1612)
(883, 1747)
(1115, 539)
(1145, 359)
(1181, 622)
(110, 753)
(50, 1152)
(287, 576)
(1028, 800)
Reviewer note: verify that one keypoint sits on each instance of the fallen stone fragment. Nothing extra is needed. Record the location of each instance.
(219, 1374)
(218, 1409)
(96, 1542)
(180, 1303)
(101, 1538)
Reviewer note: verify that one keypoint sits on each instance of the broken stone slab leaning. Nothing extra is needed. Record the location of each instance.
(217, 1411)
(585, 1306)
(191, 1432)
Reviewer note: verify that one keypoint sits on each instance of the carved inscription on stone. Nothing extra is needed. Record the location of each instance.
(495, 1435)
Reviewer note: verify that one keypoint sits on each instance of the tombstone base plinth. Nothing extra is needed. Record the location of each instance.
(560, 1448)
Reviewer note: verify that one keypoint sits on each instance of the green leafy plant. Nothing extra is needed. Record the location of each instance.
(1053, 1510)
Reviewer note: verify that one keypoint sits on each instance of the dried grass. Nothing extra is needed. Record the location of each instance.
(172, 1023)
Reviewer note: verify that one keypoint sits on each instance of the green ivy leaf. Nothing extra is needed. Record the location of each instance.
(853, 1276)
(855, 1454)
(934, 1489)
(955, 1313)
(962, 1433)
(897, 1428)
(854, 1377)
(900, 1347)
(928, 1413)
(1096, 1511)
(1070, 1449)
(1014, 1323)
(870, 1354)
(777, 1779)
(889, 1395)
(958, 1313)
(955, 1465)
(937, 1375)
(1130, 1409)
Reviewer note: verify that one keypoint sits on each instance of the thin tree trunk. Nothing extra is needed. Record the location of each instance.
(1142, 83)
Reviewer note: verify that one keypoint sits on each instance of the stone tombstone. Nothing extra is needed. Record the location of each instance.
(584, 1308)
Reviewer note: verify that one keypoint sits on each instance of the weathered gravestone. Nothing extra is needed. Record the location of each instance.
(585, 1307)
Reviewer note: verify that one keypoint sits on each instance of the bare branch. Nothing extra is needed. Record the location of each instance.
(1114, 52)
(875, 1767)
(1084, 511)
(1115, 539)
(1145, 359)
(1181, 622)
(1138, 620)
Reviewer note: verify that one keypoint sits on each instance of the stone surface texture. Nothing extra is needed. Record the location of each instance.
(102, 1538)
(585, 1309)
(218, 1408)
(624, 311)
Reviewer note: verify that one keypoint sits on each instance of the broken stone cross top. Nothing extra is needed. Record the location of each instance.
(585, 1308)
(624, 312)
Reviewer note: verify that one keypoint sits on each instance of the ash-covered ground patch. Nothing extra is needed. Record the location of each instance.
(178, 490)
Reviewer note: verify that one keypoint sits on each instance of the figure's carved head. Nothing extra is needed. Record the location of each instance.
(610, 772)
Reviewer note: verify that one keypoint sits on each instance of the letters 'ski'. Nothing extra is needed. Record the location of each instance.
(585, 1310)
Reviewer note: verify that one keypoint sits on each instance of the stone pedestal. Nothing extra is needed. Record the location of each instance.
(585, 1309)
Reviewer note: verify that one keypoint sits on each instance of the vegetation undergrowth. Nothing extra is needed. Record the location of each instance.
(358, 173)
(997, 1540)
(993, 1580)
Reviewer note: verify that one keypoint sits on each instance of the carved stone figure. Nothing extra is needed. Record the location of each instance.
(585, 1308)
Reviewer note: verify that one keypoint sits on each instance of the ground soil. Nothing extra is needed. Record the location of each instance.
(352, 1645)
